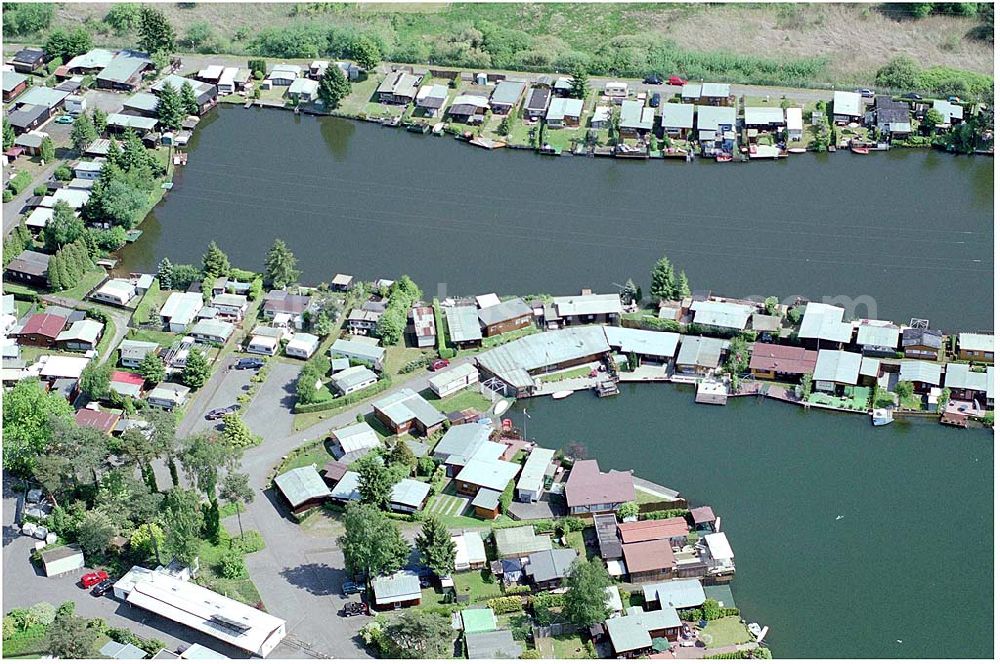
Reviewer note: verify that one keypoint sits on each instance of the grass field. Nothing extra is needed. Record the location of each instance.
(849, 41)
(467, 398)
(726, 631)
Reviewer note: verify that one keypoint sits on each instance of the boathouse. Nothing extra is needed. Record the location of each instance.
(836, 368)
(825, 323)
(976, 347)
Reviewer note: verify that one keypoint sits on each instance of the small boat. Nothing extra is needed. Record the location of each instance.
(859, 149)
(501, 406)
(438, 129)
(722, 158)
(562, 394)
(796, 150)
(881, 416)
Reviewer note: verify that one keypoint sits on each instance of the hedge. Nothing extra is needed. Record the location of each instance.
(381, 386)
(510, 604)
(663, 514)
(19, 182)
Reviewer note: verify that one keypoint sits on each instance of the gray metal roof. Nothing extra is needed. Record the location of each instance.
(489, 473)
(12, 79)
(506, 310)
(691, 91)
(837, 366)
(550, 565)
(356, 437)
(213, 327)
(490, 645)
(961, 376)
(513, 361)
(534, 469)
(142, 101)
(300, 485)
(824, 321)
(122, 69)
(588, 305)
(680, 116)
(715, 90)
(405, 405)
(678, 593)
(352, 377)
(847, 103)
(402, 586)
(347, 488)
(729, 315)
(133, 121)
(410, 492)
(520, 540)
(976, 342)
(507, 92)
(115, 650)
(636, 115)
(763, 115)
(712, 117)
(39, 95)
(701, 351)
(358, 349)
(463, 324)
(882, 334)
(642, 342)
(486, 498)
(920, 371)
(463, 440)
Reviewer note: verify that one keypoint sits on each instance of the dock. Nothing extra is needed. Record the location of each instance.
(606, 388)
(712, 392)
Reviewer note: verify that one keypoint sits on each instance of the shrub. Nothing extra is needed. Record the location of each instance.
(573, 524)
(663, 514)
(505, 604)
(232, 565)
(20, 182)
(41, 190)
(63, 173)
(251, 542)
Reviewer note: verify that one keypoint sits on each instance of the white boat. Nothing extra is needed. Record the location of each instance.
(562, 394)
(501, 406)
(881, 416)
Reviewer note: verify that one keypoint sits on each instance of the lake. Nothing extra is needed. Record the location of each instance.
(907, 571)
(905, 231)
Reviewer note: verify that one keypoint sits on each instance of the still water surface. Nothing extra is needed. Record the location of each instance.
(911, 559)
(901, 229)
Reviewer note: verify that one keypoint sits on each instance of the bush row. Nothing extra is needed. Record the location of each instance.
(382, 385)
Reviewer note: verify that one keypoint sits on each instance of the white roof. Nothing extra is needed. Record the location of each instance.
(303, 86)
(585, 305)
(39, 217)
(303, 341)
(825, 321)
(92, 59)
(487, 300)
(961, 376)
(847, 103)
(763, 115)
(490, 473)
(86, 330)
(264, 341)
(718, 546)
(181, 308)
(469, 548)
(208, 612)
(977, 342)
(642, 342)
(442, 379)
(75, 198)
(533, 472)
(793, 118)
(356, 437)
(63, 366)
(949, 110)
(403, 586)
(730, 315)
(121, 288)
(838, 366)
(211, 72)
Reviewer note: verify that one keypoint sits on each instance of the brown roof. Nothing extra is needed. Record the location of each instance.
(587, 485)
(285, 302)
(654, 529)
(334, 471)
(782, 359)
(101, 420)
(703, 514)
(648, 556)
(46, 325)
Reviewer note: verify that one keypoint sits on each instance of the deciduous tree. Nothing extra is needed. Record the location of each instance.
(333, 87)
(83, 133)
(372, 544)
(236, 433)
(71, 637)
(375, 481)
(155, 32)
(419, 635)
(236, 491)
(63, 228)
(96, 533)
(586, 601)
(152, 368)
(366, 53)
(47, 150)
(95, 380)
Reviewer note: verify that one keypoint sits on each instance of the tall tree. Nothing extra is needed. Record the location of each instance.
(586, 602)
(170, 107)
(375, 481)
(165, 273)
(8, 134)
(578, 84)
(164, 439)
(333, 87)
(683, 289)
(83, 133)
(662, 280)
(155, 32)
(100, 118)
(196, 370)
(202, 457)
(66, 45)
(215, 263)
(371, 543)
(140, 449)
(366, 53)
(279, 267)
(96, 532)
(71, 637)
(152, 368)
(183, 522)
(189, 100)
(95, 380)
(236, 433)
(64, 227)
(437, 549)
(30, 413)
(236, 491)
(48, 150)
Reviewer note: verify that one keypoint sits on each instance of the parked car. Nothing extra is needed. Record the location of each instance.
(102, 588)
(653, 79)
(954, 100)
(439, 364)
(676, 80)
(248, 363)
(64, 119)
(91, 579)
(349, 588)
(912, 95)
(654, 101)
(354, 609)
(865, 92)
(219, 413)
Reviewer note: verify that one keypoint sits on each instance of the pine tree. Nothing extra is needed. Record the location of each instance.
(83, 133)
(333, 87)
(90, 240)
(279, 270)
(54, 272)
(100, 119)
(115, 158)
(48, 150)
(437, 549)
(165, 274)
(236, 432)
(189, 101)
(151, 368)
(662, 280)
(8, 134)
(155, 32)
(578, 84)
(215, 263)
(196, 370)
(683, 289)
(170, 107)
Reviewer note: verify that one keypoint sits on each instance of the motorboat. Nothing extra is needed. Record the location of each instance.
(562, 394)
(859, 149)
(881, 416)
(501, 406)
(724, 157)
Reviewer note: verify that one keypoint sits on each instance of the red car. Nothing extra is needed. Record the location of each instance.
(438, 364)
(93, 578)
(676, 80)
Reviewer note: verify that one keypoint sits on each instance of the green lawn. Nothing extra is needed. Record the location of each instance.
(209, 555)
(646, 497)
(912, 402)
(567, 646)
(87, 283)
(396, 357)
(154, 336)
(467, 398)
(726, 631)
(578, 372)
(575, 541)
(361, 94)
(474, 584)
(314, 453)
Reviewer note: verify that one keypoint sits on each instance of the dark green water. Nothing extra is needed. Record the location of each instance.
(912, 559)
(899, 230)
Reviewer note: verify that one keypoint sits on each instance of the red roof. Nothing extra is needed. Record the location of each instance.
(587, 485)
(101, 420)
(703, 514)
(654, 529)
(782, 359)
(648, 556)
(127, 377)
(46, 325)
(335, 471)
